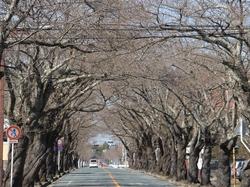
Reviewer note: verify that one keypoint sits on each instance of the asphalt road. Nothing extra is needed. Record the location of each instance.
(106, 177)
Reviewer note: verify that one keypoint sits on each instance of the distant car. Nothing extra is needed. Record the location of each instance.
(113, 165)
(240, 167)
(93, 163)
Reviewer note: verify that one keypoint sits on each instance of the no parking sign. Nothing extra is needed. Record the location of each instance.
(13, 133)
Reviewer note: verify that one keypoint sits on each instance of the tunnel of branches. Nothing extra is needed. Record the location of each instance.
(169, 79)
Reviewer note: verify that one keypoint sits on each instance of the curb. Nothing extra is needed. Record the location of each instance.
(45, 184)
(170, 180)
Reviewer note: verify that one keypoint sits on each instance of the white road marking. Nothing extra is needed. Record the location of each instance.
(69, 182)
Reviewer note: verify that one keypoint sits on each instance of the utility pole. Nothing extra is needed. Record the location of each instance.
(1, 117)
(234, 167)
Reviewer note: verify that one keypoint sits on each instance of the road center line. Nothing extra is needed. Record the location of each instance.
(116, 184)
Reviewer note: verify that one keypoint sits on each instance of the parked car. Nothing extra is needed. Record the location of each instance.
(93, 163)
(240, 167)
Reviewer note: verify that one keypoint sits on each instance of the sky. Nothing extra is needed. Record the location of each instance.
(101, 138)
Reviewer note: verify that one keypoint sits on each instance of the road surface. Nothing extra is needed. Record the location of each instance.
(107, 177)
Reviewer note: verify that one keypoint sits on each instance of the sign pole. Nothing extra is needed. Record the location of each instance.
(11, 165)
(59, 149)
(58, 162)
(234, 166)
(1, 117)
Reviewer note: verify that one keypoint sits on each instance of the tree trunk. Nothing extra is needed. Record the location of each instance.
(166, 164)
(41, 176)
(144, 159)
(37, 152)
(181, 162)
(193, 169)
(20, 152)
(151, 158)
(130, 159)
(195, 149)
(173, 169)
(206, 170)
(159, 161)
(224, 171)
(50, 166)
(166, 158)
(159, 157)
(65, 160)
(137, 155)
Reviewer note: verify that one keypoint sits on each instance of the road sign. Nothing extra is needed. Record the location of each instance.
(13, 141)
(60, 144)
(13, 133)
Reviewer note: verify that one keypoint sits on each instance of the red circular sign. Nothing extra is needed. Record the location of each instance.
(14, 132)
